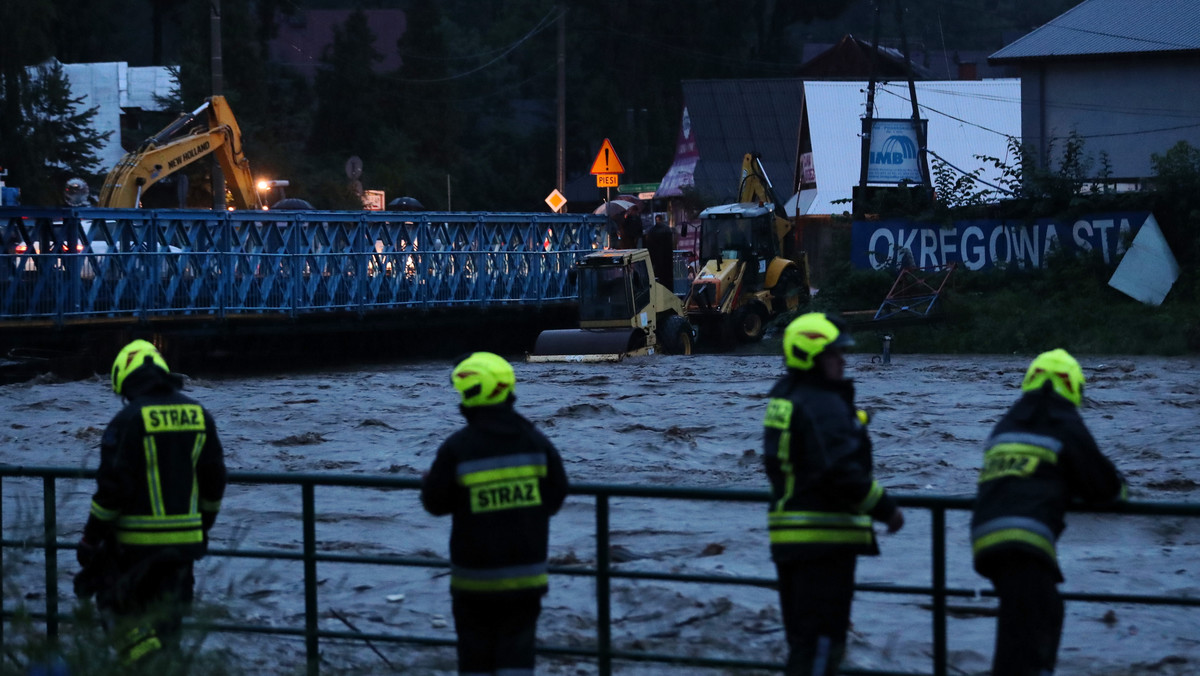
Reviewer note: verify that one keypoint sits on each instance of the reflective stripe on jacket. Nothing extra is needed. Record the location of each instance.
(161, 468)
(817, 456)
(1038, 458)
(501, 480)
(507, 578)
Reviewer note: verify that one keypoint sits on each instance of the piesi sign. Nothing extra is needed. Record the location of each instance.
(979, 245)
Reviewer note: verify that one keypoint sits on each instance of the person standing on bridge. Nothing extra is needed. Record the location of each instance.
(631, 228)
(502, 480)
(817, 456)
(661, 244)
(159, 488)
(1039, 457)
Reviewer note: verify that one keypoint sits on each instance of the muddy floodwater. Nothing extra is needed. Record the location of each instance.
(657, 421)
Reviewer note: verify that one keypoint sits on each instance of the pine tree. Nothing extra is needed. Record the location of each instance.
(424, 97)
(350, 119)
(61, 140)
(24, 40)
(63, 137)
(348, 115)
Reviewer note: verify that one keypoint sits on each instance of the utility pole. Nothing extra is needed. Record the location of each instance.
(218, 89)
(922, 159)
(918, 129)
(561, 149)
(861, 198)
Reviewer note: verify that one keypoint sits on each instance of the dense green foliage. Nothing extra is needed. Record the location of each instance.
(1068, 305)
(468, 120)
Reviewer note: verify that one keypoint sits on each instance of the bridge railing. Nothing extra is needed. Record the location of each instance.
(62, 265)
(81, 286)
(26, 536)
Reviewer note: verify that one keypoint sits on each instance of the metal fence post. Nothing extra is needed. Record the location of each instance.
(363, 248)
(939, 590)
(311, 644)
(1, 561)
(226, 262)
(603, 572)
(603, 602)
(50, 531)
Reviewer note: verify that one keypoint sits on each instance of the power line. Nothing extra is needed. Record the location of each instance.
(965, 173)
(545, 22)
(1146, 111)
(493, 92)
(944, 114)
(486, 53)
(1119, 36)
(1132, 133)
(1084, 136)
(785, 68)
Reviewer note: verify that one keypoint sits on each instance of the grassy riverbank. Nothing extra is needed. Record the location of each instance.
(1067, 305)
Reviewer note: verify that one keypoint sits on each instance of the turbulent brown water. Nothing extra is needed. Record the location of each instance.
(669, 421)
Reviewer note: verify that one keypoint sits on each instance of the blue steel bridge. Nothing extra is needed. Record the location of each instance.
(72, 272)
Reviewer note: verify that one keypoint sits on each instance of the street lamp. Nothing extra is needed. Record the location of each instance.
(265, 186)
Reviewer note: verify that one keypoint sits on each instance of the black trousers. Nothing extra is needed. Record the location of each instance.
(1030, 623)
(815, 597)
(496, 636)
(147, 603)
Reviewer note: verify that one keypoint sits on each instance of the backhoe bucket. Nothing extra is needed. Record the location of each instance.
(587, 345)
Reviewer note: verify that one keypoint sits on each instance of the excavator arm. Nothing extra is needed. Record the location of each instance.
(166, 153)
(757, 188)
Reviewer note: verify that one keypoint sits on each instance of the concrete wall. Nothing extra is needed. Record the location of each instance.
(1128, 108)
(111, 87)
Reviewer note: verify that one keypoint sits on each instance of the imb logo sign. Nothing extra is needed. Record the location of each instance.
(894, 157)
(979, 245)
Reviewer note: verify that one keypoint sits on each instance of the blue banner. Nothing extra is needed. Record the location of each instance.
(979, 245)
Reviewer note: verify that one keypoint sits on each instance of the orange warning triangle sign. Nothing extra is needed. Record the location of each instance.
(607, 161)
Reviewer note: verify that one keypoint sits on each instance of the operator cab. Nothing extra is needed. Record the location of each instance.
(610, 286)
(737, 231)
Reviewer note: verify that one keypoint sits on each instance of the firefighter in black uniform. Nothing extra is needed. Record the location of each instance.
(501, 479)
(1039, 457)
(823, 494)
(159, 488)
(660, 242)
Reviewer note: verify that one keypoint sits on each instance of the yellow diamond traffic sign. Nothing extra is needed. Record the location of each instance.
(556, 200)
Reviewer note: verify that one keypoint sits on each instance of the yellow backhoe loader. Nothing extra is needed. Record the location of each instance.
(209, 129)
(623, 312)
(745, 281)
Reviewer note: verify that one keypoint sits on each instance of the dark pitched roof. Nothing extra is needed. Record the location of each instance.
(1111, 27)
(733, 117)
(850, 59)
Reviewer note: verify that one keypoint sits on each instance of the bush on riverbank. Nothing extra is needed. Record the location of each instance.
(1066, 304)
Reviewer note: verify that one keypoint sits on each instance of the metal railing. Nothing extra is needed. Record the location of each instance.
(74, 265)
(64, 265)
(603, 572)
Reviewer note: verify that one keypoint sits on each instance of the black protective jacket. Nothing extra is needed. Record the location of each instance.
(818, 459)
(161, 476)
(501, 479)
(1039, 457)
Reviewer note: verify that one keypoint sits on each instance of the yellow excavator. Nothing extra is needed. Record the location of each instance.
(745, 281)
(623, 312)
(209, 129)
